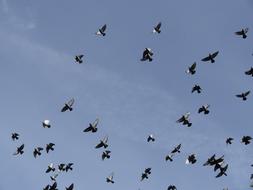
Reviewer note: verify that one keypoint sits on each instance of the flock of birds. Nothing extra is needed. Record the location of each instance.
(218, 163)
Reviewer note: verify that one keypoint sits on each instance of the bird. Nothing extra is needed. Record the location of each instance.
(106, 154)
(47, 187)
(249, 72)
(109, 179)
(37, 151)
(102, 143)
(210, 57)
(246, 139)
(222, 171)
(185, 119)
(61, 167)
(50, 146)
(53, 177)
(192, 69)
(196, 88)
(209, 160)
(172, 187)
(147, 55)
(20, 150)
(68, 105)
(54, 186)
(15, 136)
(147, 170)
(169, 157)
(145, 174)
(79, 58)
(242, 33)
(229, 140)
(157, 28)
(204, 109)
(69, 167)
(46, 124)
(50, 168)
(71, 187)
(191, 159)
(92, 126)
(151, 138)
(101, 31)
(176, 149)
(243, 95)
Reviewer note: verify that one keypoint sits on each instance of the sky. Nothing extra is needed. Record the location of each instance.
(132, 99)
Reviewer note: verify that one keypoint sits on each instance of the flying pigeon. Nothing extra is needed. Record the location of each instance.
(20, 150)
(50, 168)
(185, 120)
(243, 95)
(102, 143)
(229, 140)
(71, 187)
(246, 139)
(53, 187)
(192, 69)
(242, 33)
(222, 171)
(37, 151)
(169, 157)
(145, 174)
(196, 88)
(249, 72)
(209, 161)
(109, 179)
(46, 124)
(106, 154)
(101, 31)
(92, 126)
(176, 149)
(79, 59)
(69, 167)
(210, 57)
(61, 167)
(204, 109)
(53, 177)
(191, 159)
(50, 146)
(147, 55)
(151, 138)
(172, 187)
(68, 105)
(14, 136)
(157, 28)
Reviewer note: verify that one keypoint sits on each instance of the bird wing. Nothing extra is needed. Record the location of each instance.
(215, 54)
(88, 129)
(71, 102)
(239, 95)
(103, 28)
(158, 26)
(65, 108)
(181, 119)
(193, 66)
(247, 93)
(239, 32)
(206, 58)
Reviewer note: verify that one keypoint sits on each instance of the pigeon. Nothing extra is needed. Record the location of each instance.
(169, 157)
(68, 105)
(151, 138)
(46, 124)
(47, 187)
(251, 176)
(145, 174)
(217, 161)
(249, 72)
(92, 127)
(61, 167)
(53, 187)
(101, 31)
(15, 136)
(147, 170)
(157, 28)
(246, 139)
(191, 159)
(147, 55)
(106, 154)
(37, 151)
(109, 179)
(79, 59)
(69, 167)
(243, 95)
(102, 143)
(229, 140)
(71, 187)
(209, 161)
(242, 33)
(196, 88)
(222, 171)
(204, 109)
(192, 69)
(185, 120)
(172, 187)
(53, 177)
(176, 149)
(50, 146)
(210, 57)
(50, 168)
(20, 150)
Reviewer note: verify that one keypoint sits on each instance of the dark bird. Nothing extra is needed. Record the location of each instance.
(68, 105)
(144, 176)
(243, 95)
(229, 140)
(191, 159)
(147, 170)
(172, 187)
(46, 124)
(246, 139)
(61, 167)
(71, 187)
(50, 146)
(169, 157)
(106, 154)
(102, 143)
(151, 138)
(147, 55)
(185, 120)
(47, 187)
(101, 31)
(79, 59)
(69, 167)
(53, 177)
(53, 187)
(249, 72)
(157, 28)
(92, 126)
(50, 168)
(14, 136)
(210, 57)
(209, 161)
(192, 69)
(20, 150)
(37, 151)
(196, 88)
(204, 109)
(222, 171)
(109, 179)
(176, 149)
(242, 33)
(251, 176)
(215, 161)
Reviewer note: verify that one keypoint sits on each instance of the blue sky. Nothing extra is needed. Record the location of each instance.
(39, 40)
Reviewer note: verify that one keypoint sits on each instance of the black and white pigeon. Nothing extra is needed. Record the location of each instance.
(204, 109)
(50, 168)
(101, 31)
(20, 150)
(192, 69)
(147, 55)
(172, 187)
(50, 146)
(37, 151)
(191, 159)
(69, 167)
(102, 143)
(243, 95)
(242, 33)
(151, 138)
(157, 28)
(71, 187)
(79, 59)
(196, 88)
(210, 57)
(246, 139)
(46, 124)
(15, 136)
(68, 105)
(229, 140)
(106, 154)
(92, 126)
(109, 179)
(185, 120)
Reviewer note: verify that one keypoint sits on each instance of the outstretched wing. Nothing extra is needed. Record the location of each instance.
(103, 28)
(247, 93)
(206, 58)
(71, 102)
(215, 54)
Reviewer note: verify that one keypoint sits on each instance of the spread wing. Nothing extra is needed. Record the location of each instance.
(71, 102)
(215, 54)
(103, 28)
(247, 93)
(206, 58)
(239, 95)
(159, 25)
(193, 66)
